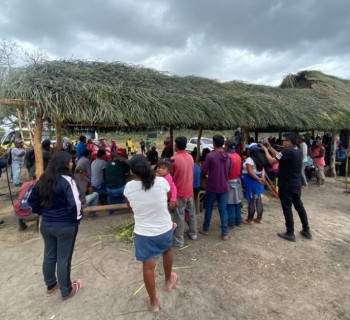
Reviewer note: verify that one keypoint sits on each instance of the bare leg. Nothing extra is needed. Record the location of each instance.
(167, 265)
(170, 277)
(150, 283)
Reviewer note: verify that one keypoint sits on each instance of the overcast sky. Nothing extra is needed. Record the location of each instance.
(258, 41)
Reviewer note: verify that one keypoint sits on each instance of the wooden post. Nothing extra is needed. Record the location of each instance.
(256, 136)
(19, 115)
(58, 130)
(332, 171)
(245, 137)
(347, 163)
(171, 131)
(38, 130)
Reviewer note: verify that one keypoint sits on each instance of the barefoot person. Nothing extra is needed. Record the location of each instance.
(56, 198)
(289, 183)
(147, 196)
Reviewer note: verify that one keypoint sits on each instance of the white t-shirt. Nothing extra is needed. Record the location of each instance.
(150, 207)
(251, 162)
(303, 147)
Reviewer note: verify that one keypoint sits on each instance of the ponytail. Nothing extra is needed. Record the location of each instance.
(141, 168)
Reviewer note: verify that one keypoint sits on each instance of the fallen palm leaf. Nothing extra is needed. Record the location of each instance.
(138, 290)
(79, 264)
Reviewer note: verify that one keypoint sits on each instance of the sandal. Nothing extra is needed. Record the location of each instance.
(154, 308)
(76, 286)
(173, 279)
(52, 291)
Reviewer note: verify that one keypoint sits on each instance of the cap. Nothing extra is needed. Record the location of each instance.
(251, 146)
(18, 141)
(231, 143)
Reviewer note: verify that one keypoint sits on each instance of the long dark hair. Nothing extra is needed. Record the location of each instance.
(257, 158)
(141, 168)
(46, 186)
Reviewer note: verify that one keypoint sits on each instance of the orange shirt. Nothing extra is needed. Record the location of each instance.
(183, 174)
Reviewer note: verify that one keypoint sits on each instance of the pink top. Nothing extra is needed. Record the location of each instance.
(173, 189)
(183, 174)
(319, 162)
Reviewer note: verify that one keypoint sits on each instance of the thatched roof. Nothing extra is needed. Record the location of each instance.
(116, 94)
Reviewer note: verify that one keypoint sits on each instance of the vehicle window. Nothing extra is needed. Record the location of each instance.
(207, 141)
(7, 138)
(194, 141)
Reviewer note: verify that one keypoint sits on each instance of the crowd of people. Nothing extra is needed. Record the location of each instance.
(161, 193)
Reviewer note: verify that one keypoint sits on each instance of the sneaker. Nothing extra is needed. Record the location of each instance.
(91, 215)
(231, 227)
(306, 234)
(22, 227)
(246, 221)
(287, 236)
(257, 220)
(239, 225)
(193, 236)
(203, 232)
(225, 238)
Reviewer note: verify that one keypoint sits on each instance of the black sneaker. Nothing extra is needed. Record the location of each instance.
(287, 236)
(306, 234)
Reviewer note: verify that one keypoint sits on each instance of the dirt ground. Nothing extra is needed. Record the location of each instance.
(254, 275)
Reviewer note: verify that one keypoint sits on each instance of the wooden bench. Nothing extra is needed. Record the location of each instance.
(197, 201)
(106, 207)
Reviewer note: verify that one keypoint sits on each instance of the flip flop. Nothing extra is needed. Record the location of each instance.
(152, 308)
(76, 286)
(52, 291)
(173, 279)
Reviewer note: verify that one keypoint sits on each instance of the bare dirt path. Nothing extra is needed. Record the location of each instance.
(254, 275)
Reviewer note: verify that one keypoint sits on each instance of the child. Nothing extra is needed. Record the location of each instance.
(164, 169)
(153, 226)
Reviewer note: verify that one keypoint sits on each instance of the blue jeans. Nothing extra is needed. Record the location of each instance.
(59, 245)
(234, 214)
(16, 172)
(209, 204)
(116, 195)
(91, 200)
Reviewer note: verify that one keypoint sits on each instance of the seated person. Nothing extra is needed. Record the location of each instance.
(97, 175)
(152, 156)
(87, 196)
(340, 156)
(22, 210)
(310, 168)
(116, 173)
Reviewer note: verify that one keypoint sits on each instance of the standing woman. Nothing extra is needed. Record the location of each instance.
(56, 198)
(318, 153)
(254, 181)
(147, 195)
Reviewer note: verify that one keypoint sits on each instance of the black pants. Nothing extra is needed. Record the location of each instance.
(289, 196)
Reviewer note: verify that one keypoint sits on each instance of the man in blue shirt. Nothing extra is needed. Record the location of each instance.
(81, 146)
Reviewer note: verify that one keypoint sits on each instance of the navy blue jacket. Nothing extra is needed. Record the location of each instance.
(65, 209)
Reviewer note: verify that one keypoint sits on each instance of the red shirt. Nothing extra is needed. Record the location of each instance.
(236, 166)
(183, 174)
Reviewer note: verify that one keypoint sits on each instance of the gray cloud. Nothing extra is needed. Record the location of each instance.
(255, 41)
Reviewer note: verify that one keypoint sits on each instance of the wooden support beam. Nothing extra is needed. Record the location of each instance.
(106, 207)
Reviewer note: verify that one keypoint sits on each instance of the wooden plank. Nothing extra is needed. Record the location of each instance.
(106, 207)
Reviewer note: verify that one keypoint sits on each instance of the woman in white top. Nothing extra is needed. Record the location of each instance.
(147, 195)
(254, 181)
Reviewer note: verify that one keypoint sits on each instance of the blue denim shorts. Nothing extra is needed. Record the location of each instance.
(147, 248)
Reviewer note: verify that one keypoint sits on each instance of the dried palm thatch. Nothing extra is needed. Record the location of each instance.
(333, 92)
(116, 94)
